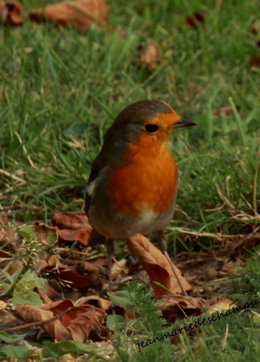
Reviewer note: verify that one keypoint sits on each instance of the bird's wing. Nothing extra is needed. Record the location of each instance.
(98, 165)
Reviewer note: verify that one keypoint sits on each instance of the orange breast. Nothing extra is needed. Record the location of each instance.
(147, 183)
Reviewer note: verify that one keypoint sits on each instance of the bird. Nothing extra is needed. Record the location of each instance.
(132, 185)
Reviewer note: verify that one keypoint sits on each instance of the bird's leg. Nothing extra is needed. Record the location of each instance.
(163, 241)
(110, 252)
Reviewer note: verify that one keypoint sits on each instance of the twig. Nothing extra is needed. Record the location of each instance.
(255, 189)
(245, 217)
(174, 295)
(226, 201)
(224, 342)
(40, 323)
(8, 174)
(175, 273)
(218, 236)
(253, 235)
(25, 150)
(238, 214)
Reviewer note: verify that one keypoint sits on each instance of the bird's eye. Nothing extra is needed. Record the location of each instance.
(151, 127)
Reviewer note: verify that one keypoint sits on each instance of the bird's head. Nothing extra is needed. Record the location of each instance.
(150, 120)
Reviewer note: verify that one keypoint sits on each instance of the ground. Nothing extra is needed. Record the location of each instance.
(60, 90)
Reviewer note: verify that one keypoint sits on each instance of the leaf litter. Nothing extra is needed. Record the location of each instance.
(79, 13)
(78, 321)
(74, 269)
(11, 13)
(149, 56)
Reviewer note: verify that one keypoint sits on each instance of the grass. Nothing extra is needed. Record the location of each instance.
(228, 339)
(61, 90)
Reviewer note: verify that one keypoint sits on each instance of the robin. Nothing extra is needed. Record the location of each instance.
(133, 181)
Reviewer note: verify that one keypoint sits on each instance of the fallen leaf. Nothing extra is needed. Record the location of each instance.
(97, 301)
(118, 268)
(15, 266)
(31, 313)
(79, 13)
(157, 266)
(255, 62)
(221, 305)
(195, 19)
(225, 110)
(176, 307)
(72, 226)
(5, 254)
(8, 233)
(149, 56)
(69, 275)
(48, 294)
(47, 235)
(44, 294)
(9, 240)
(6, 316)
(2, 305)
(85, 266)
(77, 321)
(11, 12)
(71, 220)
(255, 27)
(230, 266)
(81, 235)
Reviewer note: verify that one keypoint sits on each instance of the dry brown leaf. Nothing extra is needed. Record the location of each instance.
(2, 305)
(157, 266)
(97, 301)
(195, 19)
(55, 329)
(68, 274)
(47, 235)
(71, 220)
(4, 254)
(225, 110)
(119, 268)
(85, 266)
(9, 241)
(221, 305)
(8, 235)
(255, 27)
(81, 235)
(79, 321)
(176, 307)
(11, 13)
(255, 62)
(79, 13)
(14, 266)
(3, 220)
(149, 56)
(48, 294)
(72, 226)
(7, 319)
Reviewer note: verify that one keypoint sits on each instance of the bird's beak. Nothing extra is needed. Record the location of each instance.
(184, 123)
